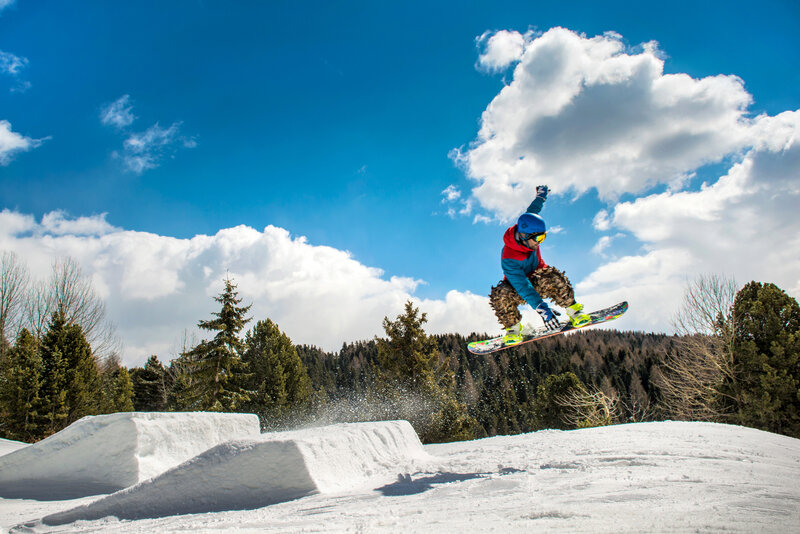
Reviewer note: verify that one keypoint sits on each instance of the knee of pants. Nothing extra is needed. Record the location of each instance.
(553, 284)
(505, 302)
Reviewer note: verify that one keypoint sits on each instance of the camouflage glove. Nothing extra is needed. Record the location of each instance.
(541, 192)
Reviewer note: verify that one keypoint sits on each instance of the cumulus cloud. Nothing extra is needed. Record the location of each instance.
(601, 222)
(12, 143)
(59, 223)
(157, 287)
(583, 113)
(743, 226)
(500, 49)
(651, 283)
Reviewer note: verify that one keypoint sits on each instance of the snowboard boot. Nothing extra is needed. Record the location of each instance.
(576, 318)
(513, 334)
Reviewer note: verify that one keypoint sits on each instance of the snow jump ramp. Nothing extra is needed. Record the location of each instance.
(106, 453)
(255, 472)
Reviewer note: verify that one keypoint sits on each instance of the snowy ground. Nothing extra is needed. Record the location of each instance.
(7, 445)
(650, 477)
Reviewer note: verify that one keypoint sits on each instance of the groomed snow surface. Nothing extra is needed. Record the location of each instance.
(7, 445)
(378, 477)
(106, 453)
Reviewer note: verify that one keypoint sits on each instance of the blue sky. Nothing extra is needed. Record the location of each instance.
(344, 122)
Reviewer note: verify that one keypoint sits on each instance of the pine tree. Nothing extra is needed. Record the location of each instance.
(276, 377)
(21, 385)
(150, 386)
(412, 372)
(209, 369)
(767, 355)
(70, 384)
(83, 384)
(54, 378)
(116, 387)
(409, 357)
(120, 391)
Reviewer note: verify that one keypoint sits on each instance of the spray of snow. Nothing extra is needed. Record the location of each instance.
(364, 407)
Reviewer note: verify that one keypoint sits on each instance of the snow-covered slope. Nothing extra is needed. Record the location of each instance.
(651, 477)
(106, 453)
(7, 446)
(255, 472)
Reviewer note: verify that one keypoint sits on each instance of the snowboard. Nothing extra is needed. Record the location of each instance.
(600, 316)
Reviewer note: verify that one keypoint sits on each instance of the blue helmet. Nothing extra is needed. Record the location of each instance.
(530, 223)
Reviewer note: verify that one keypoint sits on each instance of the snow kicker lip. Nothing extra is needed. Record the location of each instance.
(255, 472)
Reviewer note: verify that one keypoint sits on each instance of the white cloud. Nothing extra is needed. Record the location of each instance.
(12, 66)
(12, 143)
(455, 204)
(584, 113)
(743, 226)
(451, 194)
(157, 287)
(652, 284)
(500, 49)
(13, 223)
(118, 113)
(57, 223)
(458, 312)
(601, 222)
(5, 3)
(144, 150)
(602, 244)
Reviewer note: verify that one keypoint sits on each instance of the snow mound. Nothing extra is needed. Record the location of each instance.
(105, 453)
(252, 473)
(7, 446)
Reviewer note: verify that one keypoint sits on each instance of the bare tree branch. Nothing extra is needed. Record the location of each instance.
(692, 377)
(589, 408)
(70, 293)
(14, 281)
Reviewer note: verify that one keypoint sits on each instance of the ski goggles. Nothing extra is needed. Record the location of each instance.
(536, 237)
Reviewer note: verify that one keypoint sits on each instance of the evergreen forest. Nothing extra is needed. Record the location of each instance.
(734, 359)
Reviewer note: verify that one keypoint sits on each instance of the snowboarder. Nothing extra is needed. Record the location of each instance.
(529, 279)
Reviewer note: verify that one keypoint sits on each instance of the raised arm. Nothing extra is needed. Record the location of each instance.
(538, 202)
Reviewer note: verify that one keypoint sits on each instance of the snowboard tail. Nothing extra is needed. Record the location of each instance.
(599, 316)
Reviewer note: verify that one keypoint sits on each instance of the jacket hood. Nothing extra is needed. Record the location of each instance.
(514, 251)
(509, 239)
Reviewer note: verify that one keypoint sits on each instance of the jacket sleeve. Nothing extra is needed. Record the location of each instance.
(519, 281)
(536, 205)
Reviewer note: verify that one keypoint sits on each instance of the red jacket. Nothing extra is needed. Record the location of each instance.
(519, 262)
